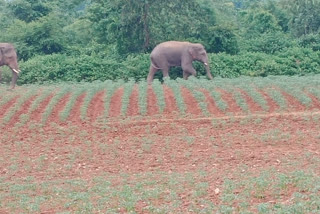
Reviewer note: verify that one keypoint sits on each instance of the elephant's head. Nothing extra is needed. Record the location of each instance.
(198, 53)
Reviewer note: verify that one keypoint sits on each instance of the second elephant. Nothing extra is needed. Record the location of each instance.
(8, 57)
(175, 53)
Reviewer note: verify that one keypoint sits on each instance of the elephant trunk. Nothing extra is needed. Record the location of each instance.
(14, 80)
(208, 70)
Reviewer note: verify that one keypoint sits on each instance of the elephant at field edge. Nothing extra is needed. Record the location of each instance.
(175, 53)
(8, 57)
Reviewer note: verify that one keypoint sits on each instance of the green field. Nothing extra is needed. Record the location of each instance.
(244, 145)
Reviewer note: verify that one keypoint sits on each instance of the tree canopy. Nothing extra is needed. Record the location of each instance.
(118, 32)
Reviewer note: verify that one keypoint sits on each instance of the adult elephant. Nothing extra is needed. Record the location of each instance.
(175, 53)
(8, 57)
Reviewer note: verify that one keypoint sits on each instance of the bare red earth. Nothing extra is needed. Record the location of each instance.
(169, 145)
(246, 150)
(171, 104)
(75, 114)
(54, 117)
(315, 100)
(133, 108)
(7, 106)
(228, 98)
(253, 106)
(96, 106)
(211, 104)
(115, 103)
(37, 113)
(152, 102)
(272, 105)
(293, 103)
(192, 104)
(23, 110)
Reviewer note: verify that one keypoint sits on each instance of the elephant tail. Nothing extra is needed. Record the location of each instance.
(154, 66)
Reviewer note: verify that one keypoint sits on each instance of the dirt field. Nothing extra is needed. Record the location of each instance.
(237, 160)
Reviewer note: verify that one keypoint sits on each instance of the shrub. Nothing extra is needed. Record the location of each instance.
(269, 43)
(292, 61)
(310, 41)
(88, 68)
(59, 67)
(6, 75)
(220, 39)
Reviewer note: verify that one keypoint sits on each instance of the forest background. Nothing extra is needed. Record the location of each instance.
(89, 40)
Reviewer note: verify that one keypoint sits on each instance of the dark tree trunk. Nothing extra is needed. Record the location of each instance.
(146, 27)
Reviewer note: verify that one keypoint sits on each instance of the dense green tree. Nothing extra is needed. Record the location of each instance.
(310, 41)
(5, 16)
(269, 43)
(111, 39)
(29, 10)
(244, 4)
(304, 16)
(280, 14)
(221, 39)
(137, 26)
(260, 21)
(36, 38)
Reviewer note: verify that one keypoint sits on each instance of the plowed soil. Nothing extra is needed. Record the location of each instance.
(222, 145)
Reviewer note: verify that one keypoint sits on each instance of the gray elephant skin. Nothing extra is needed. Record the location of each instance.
(8, 57)
(175, 53)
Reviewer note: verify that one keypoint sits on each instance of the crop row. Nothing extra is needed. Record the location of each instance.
(194, 96)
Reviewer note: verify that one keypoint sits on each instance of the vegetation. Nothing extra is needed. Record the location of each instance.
(242, 159)
(247, 143)
(83, 40)
(226, 95)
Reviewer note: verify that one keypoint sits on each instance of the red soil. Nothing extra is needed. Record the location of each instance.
(152, 102)
(315, 101)
(5, 108)
(192, 104)
(232, 104)
(133, 108)
(96, 106)
(211, 104)
(171, 104)
(37, 113)
(245, 150)
(115, 103)
(253, 106)
(176, 144)
(293, 103)
(54, 117)
(23, 110)
(273, 106)
(75, 114)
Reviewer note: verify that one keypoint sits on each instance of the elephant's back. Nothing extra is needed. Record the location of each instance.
(172, 47)
(172, 44)
(6, 46)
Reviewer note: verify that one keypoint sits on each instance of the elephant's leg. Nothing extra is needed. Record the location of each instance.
(186, 75)
(152, 71)
(188, 70)
(165, 72)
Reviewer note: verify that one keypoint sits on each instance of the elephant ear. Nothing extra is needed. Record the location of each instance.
(192, 52)
(195, 50)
